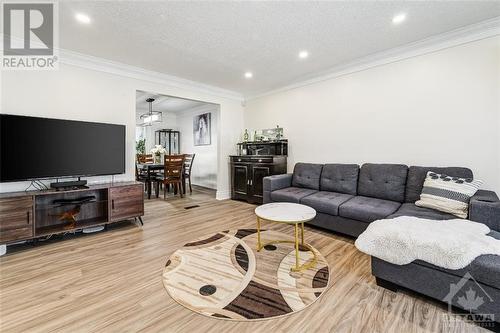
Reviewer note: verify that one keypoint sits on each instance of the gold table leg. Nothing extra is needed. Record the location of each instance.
(259, 245)
(302, 234)
(297, 267)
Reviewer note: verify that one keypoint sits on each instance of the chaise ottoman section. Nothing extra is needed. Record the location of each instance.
(485, 268)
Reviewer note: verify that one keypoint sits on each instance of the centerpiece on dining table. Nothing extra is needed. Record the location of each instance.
(157, 152)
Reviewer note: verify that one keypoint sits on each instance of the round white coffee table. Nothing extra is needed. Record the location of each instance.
(288, 213)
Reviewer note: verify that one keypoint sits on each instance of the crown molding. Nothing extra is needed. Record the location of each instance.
(196, 109)
(86, 61)
(460, 36)
(72, 58)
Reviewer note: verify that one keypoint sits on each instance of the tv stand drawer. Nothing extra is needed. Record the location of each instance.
(124, 192)
(126, 202)
(16, 234)
(16, 219)
(16, 204)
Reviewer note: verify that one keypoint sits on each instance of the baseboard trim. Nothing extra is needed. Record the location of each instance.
(203, 187)
(223, 195)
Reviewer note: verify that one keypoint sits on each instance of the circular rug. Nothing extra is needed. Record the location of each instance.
(223, 276)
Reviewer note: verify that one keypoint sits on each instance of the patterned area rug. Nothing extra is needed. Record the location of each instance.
(223, 276)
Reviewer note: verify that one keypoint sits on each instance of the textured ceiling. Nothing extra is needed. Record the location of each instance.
(163, 103)
(216, 42)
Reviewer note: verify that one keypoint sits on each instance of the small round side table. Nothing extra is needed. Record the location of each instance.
(288, 213)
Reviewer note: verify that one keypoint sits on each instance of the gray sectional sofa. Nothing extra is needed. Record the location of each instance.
(347, 198)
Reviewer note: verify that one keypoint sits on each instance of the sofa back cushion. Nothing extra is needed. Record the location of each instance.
(307, 175)
(417, 174)
(383, 181)
(342, 178)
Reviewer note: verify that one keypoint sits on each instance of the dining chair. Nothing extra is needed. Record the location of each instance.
(145, 158)
(188, 165)
(172, 175)
(141, 175)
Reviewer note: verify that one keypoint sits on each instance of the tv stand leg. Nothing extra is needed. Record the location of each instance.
(140, 220)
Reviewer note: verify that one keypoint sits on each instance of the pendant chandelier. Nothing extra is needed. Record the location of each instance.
(151, 117)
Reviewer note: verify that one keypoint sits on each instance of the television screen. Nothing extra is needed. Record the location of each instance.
(35, 148)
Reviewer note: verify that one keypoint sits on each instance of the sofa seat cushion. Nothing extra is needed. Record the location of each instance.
(326, 202)
(291, 194)
(409, 209)
(368, 209)
(484, 269)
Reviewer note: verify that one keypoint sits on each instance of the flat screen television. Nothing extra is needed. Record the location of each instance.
(42, 148)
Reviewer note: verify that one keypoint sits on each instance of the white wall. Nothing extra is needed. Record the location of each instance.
(75, 92)
(439, 109)
(204, 172)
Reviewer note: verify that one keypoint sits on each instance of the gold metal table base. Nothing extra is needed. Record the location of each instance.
(297, 267)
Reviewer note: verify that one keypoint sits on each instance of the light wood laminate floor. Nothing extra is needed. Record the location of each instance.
(112, 281)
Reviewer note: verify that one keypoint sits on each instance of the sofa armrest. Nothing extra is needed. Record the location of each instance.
(484, 195)
(277, 182)
(484, 207)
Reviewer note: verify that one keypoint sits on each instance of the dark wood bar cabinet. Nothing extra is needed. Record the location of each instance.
(248, 171)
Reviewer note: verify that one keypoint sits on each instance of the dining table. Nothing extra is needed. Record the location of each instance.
(150, 169)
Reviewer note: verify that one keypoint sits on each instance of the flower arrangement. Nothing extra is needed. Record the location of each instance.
(157, 151)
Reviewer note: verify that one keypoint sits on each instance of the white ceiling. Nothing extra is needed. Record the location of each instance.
(164, 103)
(216, 42)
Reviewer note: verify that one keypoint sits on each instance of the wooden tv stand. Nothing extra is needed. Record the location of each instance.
(28, 215)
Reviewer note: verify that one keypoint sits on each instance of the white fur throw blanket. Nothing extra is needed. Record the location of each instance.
(451, 244)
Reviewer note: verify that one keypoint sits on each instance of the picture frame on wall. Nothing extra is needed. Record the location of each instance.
(202, 129)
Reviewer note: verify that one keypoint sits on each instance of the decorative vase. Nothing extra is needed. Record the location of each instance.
(279, 132)
(158, 158)
(245, 136)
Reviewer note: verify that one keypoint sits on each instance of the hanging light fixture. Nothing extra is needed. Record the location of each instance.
(152, 116)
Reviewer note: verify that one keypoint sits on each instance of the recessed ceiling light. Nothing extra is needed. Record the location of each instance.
(248, 75)
(303, 54)
(399, 18)
(80, 17)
